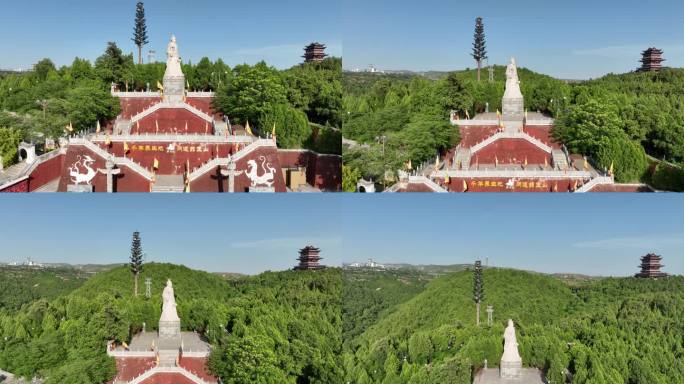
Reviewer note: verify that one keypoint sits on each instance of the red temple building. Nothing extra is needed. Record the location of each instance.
(509, 151)
(171, 141)
(651, 60)
(650, 266)
(309, 259)
(314, 52)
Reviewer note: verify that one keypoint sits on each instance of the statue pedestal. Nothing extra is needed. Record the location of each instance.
(261, 189)
(513, 106)
(81, 188)
(169, 329)
(510, 369)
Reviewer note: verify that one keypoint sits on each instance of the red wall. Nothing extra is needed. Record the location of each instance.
(22, 186)
(510, 151)
(521, 185)
(46, 172)
(131, 106)
(209, 181)
(324, 172)
(170, 162)
(172, 120)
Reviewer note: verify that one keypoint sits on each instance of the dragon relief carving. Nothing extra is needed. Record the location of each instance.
(83, 162)
(252, 173)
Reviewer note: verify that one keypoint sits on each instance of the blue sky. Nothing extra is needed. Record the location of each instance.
(237, 31)
(219, 233)
(574, 39)
(595, 234)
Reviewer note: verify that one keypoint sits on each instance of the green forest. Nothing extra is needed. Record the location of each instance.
(289, 322)
(634, 120)
(612, 330)
(304, 101)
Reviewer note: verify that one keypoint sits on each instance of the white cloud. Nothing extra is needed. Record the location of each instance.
(641, 242)
(625, 50)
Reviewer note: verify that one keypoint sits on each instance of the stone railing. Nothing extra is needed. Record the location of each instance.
(142, 171)
(198, 112)
(29, 168)
(165, 104)
(201, 94)
(169, 138)
(196, 354)
(512, 173)
(136, 94)
(547, 121)
(601, 180)
(223, 161)
(153, 371)
(465, 123)
(510, 135)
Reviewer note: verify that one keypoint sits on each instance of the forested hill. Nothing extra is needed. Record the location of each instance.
(616, 119)
(288, 321)
(607, 331)
(21, 285)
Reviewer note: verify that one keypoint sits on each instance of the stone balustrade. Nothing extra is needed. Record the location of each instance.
(520, 173)
(175, 138)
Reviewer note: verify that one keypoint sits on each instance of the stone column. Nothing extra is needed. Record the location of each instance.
(110, 172)
(231, 173)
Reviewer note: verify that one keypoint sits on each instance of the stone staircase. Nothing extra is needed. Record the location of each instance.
(167, 358)
(559, 160)
(169, 184)
(462, 158)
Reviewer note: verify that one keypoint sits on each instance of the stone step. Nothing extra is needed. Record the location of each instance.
(560, 161)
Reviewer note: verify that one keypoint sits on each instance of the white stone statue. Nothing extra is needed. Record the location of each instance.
(174, 79)
(513, 102)
(511, 362)
(173, 59)
(169, 312)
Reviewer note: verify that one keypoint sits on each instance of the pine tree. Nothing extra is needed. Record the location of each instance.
(478, 289)
(479, 45)
(140, 30)
(136, 259)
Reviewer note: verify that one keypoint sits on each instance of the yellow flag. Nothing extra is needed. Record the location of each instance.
(248, 129)
(465, 186)
(546, 161)
(410, 167)
(610, 171)
(137, 123)
(160, 86)
(156, 163)
(586, 163)
(99, 128)
(467, 114)
(526, 161)
(108, 140)
(156, 123)
(498, 113)
(496, 161)
(125, 147)
(70, 127)
(274, 130)
(447, 179)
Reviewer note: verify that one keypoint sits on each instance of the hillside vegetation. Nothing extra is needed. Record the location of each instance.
(617, 119)
(290, 322)
(22, 285)
(604, 331)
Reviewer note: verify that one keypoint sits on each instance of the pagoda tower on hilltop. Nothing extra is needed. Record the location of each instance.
(314, 52)
(309, 259)
(651, 60)
(650, 266)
